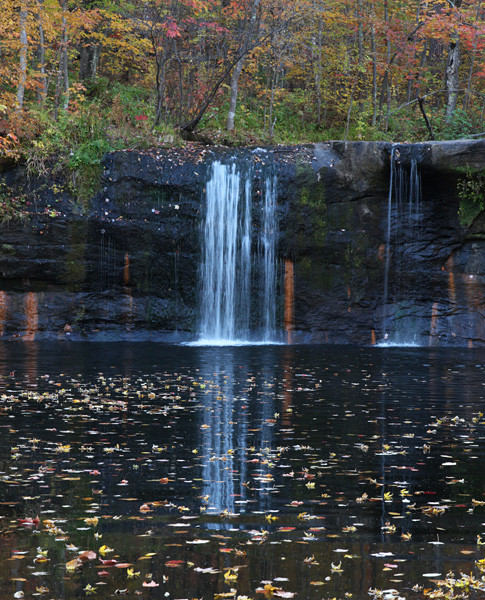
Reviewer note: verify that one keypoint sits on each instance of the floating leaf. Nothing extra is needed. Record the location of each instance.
(105, 550)
(72, 565)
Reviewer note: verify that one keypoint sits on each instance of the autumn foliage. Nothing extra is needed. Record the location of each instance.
(306, 70)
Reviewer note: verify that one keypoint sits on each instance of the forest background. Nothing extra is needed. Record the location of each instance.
(79, 78)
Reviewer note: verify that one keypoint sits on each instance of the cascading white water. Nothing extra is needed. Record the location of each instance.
(226, 272)
(245, 262)
(404, 208)
(269, 272)
(388, 243)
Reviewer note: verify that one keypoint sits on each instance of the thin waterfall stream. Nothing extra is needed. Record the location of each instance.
(269, 244)
(237, 283)
(402, 234)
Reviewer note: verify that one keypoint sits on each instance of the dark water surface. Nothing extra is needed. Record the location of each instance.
(311, 470)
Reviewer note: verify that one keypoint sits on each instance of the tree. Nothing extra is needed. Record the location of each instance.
(301, 69)
(452, 69)
(247, 36)
(23, 55)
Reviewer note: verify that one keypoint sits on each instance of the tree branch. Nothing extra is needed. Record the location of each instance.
(423, 97)
(425, 116)
(192, 124)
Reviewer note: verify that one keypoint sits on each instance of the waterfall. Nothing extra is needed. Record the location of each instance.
(402, 234)
(231, 304)
(269, 272)
(388, 242)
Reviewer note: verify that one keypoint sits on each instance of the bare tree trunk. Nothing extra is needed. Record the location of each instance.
(63, 66)
(202, 108)
(360, 35)
(88, 61)
(23, 56)
(360, 49)
(318, 70)
(374, 75)
(248, 37)
(425, 117)
(274, 85)
(452, 78)
(266, 91)
(385, 82)
(42, 91)
(452, 70)
(410, 81)
(160, 60)
(472, 61)
(422, 64)
(57, 93)
(181, 88)
(234, 91)
(160, 76)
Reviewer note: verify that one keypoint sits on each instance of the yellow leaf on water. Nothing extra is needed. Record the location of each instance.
(42, 589)
(89, 589)
(104, 550)
(41, 559)
(269, 590)
(230, 575)
(72, 565)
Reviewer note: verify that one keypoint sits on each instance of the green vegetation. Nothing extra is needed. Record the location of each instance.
(117, 117)
(77, 142)
(471, 193)
(294, 124)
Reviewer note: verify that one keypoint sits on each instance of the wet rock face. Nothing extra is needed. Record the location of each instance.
(126, 265)
(436, 284)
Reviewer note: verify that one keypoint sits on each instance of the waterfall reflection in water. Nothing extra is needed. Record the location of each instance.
(235, 399)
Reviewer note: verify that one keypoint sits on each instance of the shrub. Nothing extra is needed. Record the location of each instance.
(471, 192)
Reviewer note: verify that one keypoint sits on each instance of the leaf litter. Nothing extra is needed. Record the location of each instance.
(181, 479)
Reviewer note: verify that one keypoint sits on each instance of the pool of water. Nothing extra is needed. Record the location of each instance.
(195, 472)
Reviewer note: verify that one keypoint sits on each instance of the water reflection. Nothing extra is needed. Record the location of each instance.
(222, 435)
(312, 445)
(31, 363)
(237, 399)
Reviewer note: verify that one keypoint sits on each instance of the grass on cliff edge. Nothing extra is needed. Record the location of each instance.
(114, 116)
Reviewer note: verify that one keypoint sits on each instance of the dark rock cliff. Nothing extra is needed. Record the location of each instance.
(126, 265)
